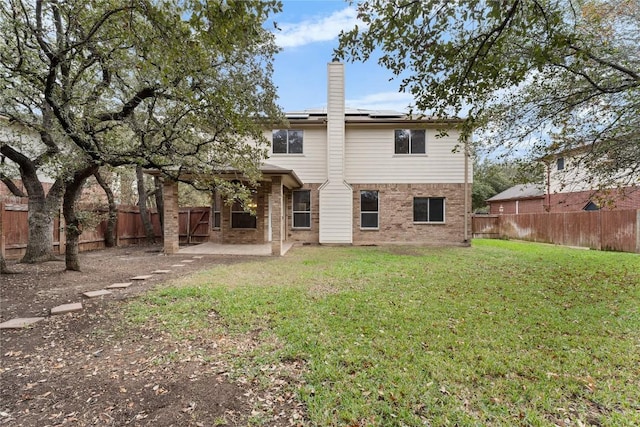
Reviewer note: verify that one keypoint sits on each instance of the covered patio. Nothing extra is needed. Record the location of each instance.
(266, 237)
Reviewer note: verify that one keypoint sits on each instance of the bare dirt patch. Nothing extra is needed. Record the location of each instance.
(90, 368)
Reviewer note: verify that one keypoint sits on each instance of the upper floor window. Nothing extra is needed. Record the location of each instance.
(287, 141)
(302, 209)
(428, 209)
(560, 163)
(369, 209)
(410, 141)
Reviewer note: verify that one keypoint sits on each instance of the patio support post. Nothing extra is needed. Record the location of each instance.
(276, 215)
(171, 226)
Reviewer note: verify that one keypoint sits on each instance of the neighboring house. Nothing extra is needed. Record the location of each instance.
(523, 198)
(340, 176)
(568, 188)
(571, 188)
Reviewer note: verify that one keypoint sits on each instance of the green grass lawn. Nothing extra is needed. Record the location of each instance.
(502, 333)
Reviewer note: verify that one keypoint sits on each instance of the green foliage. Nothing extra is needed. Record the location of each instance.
(549, 75)
(491, 178)
(500, 334)
(173, 85)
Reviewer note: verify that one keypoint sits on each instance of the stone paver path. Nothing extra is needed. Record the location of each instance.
(67, 308)
(20, 322)
(122, 285)
(95, 294)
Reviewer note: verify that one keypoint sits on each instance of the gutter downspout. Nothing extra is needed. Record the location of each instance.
(466, 190)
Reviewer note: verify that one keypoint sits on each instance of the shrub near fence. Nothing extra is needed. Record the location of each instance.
(193, 224)
(604, 230)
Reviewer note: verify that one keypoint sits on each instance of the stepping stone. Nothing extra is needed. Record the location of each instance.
(66, 308)
(198, 257)
(161, 271)
(20, 322)
(144, 277)
(177, 265)
(119, 285)
(95, 294)
(187, 260)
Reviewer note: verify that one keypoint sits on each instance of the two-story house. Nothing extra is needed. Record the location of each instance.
(342, 176)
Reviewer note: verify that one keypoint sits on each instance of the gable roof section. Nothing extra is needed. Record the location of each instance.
(521, 191)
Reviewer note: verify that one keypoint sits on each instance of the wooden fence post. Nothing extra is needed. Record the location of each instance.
(638, 231)
(2, 239)
(62, 246)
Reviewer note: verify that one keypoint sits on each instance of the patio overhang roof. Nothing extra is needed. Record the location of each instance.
(289, 177)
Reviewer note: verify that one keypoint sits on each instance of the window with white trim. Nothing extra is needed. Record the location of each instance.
(428, 209)
(410, 141)
(216, 205)
(369, 209)
(302, 209)
(287, 141)
(241, 218)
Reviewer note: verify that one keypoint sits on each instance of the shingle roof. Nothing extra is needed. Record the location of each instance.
(521, 191)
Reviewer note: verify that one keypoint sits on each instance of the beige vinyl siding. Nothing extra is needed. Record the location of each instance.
(311, 165)
(370, 157)
(336, 213)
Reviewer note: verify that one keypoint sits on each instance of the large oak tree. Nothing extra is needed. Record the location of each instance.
(176, 85)
(544, 75)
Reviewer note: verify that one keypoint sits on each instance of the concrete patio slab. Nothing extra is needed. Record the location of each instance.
(20, 322)
(161, 272)
(143, 277)
(66, 308)
(119, 285)
(210, 248)
(95, 294)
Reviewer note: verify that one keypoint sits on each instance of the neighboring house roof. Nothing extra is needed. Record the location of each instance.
(521, 191)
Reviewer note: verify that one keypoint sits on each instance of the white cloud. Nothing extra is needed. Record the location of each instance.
(396, 101)
(319, 29)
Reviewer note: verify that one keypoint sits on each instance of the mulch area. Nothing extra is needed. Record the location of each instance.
(91, 368)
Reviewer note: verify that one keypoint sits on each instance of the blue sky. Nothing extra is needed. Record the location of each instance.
(309, 33)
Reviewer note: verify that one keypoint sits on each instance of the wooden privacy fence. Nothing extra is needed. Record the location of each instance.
(603, 230)
(14, 229)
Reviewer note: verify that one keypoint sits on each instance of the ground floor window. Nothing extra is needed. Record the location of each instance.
(428, 209)
(240, 218)
(302, 209)
(217, 203)
(369, 209)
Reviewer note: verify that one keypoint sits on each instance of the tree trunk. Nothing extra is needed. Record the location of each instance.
(3, 266)
(42, 207)
(142, 204)
(74, 227)
(159, 200)
(110, 235)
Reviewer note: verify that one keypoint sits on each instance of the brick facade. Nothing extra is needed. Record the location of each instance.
(395, 220)
(521, 206)
(170, 229)
(614, 199)
(395, 217)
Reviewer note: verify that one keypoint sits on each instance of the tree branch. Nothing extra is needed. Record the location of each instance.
(129, 107)
(15, 190)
